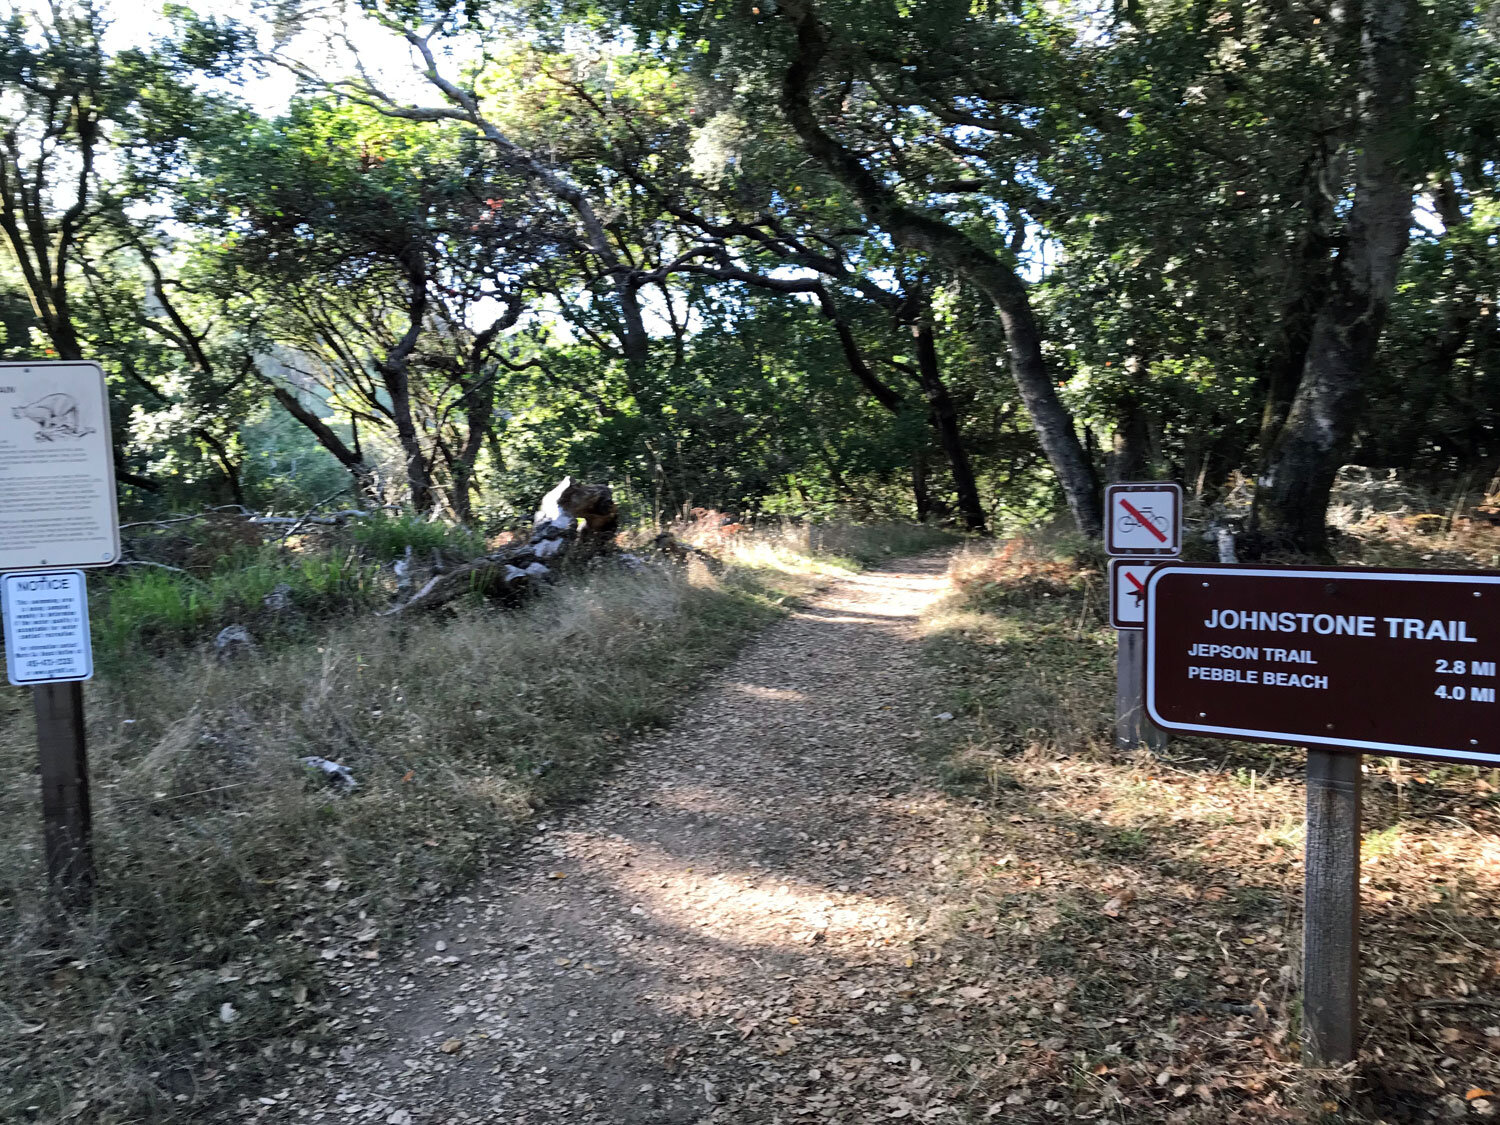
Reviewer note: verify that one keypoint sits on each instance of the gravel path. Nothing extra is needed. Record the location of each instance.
(723, 933)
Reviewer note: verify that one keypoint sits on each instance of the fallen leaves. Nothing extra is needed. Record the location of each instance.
(717, 943)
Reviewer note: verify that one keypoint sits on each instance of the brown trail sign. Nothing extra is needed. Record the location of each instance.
(1341, 660)
(1390, 662)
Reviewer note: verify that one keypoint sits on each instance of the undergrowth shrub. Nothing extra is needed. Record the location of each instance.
(1022, 570)
(1025, 635)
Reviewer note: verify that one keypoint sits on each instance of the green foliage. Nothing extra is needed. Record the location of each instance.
(869, 544)
(1163, 178)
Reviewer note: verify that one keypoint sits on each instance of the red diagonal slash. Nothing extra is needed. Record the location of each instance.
(1142, 520)
(1134, 581)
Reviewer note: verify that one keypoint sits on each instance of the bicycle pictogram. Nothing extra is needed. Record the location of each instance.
(1128, 521)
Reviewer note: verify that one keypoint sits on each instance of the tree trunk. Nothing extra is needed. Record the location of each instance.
(1130, 456)
(945, 421)
(395, 374)
(576, 523)
(351, 459)
(919, 490)
(1304, 293)
(418, 478)
(955, 250)
(478, 411)
(1312, 445)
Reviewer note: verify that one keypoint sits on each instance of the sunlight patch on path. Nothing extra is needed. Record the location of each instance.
(737, 909)
(741, 908)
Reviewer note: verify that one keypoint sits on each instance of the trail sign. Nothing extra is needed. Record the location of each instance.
(57, 476)
(1127, 592)
(1352, 659)
(46, 627)
(1144, 519)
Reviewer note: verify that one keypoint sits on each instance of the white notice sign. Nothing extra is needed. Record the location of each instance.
(57, 473)
(46, 627)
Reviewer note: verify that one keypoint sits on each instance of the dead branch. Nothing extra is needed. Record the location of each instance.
(575, 523)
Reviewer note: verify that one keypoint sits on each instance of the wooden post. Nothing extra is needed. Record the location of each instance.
(1330, 909)
(1132, 728)
(65, 792)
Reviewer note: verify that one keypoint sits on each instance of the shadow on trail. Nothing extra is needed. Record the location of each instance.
(770, 914)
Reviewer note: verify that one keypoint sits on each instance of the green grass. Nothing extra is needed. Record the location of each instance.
(154, 609)
(226, 867)
(386, 538)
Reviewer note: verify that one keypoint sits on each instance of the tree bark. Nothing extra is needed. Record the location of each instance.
(1313, 443)
(1130, 454)
(957, 251)
(395, 371)
(921, 495)
(945, 422)
(478, 409)
(1304, 293)
(351, 459)
(879, 391)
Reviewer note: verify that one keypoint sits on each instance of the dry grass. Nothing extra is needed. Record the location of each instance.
(229, 873)
(1381, 521)
(1155, 900)
(840, 543)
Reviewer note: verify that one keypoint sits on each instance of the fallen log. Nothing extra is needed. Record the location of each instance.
(575, 523)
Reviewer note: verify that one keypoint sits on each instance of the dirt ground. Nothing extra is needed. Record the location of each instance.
(773, 914)
(722, 933)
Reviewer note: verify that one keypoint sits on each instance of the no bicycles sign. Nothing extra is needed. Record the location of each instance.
(1144, 520)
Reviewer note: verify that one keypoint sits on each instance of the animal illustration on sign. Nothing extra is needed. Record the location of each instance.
(56, 416)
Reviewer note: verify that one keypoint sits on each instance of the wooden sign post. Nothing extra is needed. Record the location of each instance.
(66, 816)
(1133, 728)
(1144, 527)
(57, 470)
(1330, 907)
(1343, 661)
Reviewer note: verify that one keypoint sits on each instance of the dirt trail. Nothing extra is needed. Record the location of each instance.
(721, 934)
